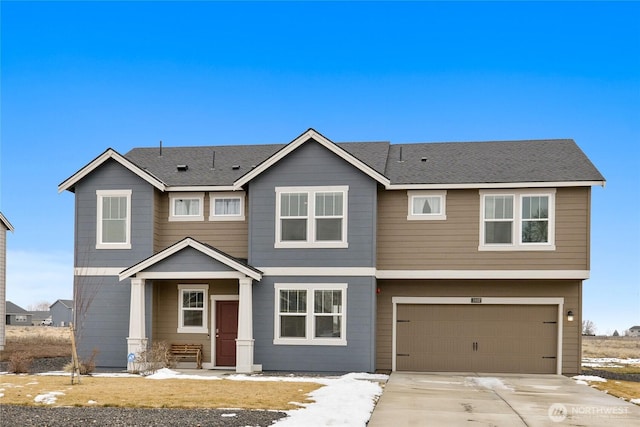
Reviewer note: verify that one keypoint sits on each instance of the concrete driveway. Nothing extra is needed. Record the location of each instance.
(446, 399)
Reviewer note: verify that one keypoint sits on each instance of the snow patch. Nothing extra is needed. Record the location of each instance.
(591, 378)
(229, 415)
(636, 401)
(487, 382)
(168, 374)
(48, 398)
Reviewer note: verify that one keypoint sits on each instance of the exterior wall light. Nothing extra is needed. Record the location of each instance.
(570, 316)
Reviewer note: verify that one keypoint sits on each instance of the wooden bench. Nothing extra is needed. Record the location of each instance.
(187, 351)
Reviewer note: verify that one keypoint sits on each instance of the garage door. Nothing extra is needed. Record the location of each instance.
(476, 338)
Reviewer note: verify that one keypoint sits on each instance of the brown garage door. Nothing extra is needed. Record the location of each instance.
(476, 338)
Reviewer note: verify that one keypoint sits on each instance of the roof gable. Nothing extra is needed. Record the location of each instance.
(207, 250)
(311, 135)
(12, 308)
(110, 153)
(4, 221)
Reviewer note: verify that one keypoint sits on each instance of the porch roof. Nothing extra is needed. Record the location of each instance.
(232, 267)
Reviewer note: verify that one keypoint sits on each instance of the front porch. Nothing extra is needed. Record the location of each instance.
(196, 294)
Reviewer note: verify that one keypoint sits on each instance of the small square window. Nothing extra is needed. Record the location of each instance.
(427, 205)
(186, 207)
(227, 206)
(192, 309)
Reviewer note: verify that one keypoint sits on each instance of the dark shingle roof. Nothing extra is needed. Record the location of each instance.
(490, 162)
(11, 308)
(446, 163)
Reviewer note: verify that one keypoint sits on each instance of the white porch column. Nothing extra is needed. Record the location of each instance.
(244, 342)
(137, 340)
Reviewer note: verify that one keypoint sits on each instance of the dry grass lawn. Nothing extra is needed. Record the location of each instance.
(618, 347)
(148, 393)
(625, 389)
(37, 341)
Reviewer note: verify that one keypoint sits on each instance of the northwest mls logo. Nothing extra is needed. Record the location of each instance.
(558, 412)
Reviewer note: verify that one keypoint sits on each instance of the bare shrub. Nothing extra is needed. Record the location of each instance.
(87, 365)
(20, 362)
(155, 357)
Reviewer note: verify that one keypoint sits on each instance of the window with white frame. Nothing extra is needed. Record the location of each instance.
(517, 220)
(186, 207)
(21, 318)
(310, 314)
(427, 205)
(227, 206)
(309, 217)
(113, 226)
(192, 308)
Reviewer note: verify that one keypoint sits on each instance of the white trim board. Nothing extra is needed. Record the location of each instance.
(559, 301)
(318, 271)
(483, 274)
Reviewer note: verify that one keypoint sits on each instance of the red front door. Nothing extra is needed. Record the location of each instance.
(226, 332)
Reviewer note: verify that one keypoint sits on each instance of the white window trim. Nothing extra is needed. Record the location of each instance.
(516, 230)
(442, 195)
(100, 194)
(204, 329)
(311, 242)
(226, 195)
(310, 323)
(172, 207)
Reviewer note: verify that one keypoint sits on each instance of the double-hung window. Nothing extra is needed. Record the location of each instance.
(186, 207)
(308, 217)
(427, 205)
(227, 206)
(517, 220)
(192, 308)
(113, 228)
(310, 314)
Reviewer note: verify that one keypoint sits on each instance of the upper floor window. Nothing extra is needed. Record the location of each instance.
(186, 207)
(308, 217)
(192, 308)
(228, 206)
(113, 219)
(518, 220)
(310, 314)
(427, 205)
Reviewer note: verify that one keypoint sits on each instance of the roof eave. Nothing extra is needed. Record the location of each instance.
(472, 185)
(110, 153)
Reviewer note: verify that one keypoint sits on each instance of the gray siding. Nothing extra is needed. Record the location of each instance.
(189, 259)
(3, 279)
(61, 315)
(102, 319)
(313, 165)
(113, 176)
(359, 353)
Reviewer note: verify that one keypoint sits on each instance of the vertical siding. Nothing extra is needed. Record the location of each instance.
(313, 165)
(570, 290)
(358, 355)
(228, 236)
(452, 244)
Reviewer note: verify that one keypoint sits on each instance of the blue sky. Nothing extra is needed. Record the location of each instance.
(79, 77)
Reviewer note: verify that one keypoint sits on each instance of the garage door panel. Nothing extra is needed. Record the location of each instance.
(480, 338)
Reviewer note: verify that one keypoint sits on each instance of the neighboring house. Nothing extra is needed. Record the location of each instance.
(634, 331)
(5, 226)
(318, 256)
(40, 317)
(15, 315)
(62, 312)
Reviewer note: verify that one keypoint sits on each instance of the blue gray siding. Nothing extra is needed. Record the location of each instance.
(112, 176)
(104, 324)
(188, 259)
(312, 165)
(357, 355)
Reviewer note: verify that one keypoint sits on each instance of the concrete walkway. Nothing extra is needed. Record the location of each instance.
(446, 399)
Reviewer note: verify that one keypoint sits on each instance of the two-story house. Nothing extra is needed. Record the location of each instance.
(323, 256)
